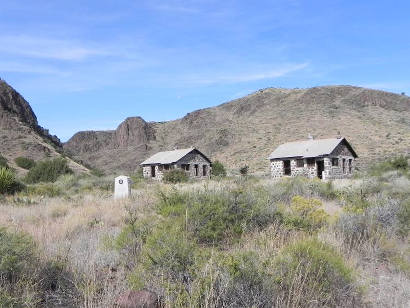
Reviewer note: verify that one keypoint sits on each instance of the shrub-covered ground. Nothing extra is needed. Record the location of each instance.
(228, 242)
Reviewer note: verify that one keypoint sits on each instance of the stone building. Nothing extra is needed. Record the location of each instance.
(323, 158)
(195, 164)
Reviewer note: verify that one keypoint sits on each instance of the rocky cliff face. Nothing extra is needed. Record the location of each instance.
(133, 132)
(20, 134)
(246, 130)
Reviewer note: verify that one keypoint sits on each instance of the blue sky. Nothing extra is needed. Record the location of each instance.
(90, 64)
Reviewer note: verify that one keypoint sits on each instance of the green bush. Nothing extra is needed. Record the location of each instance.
(400, 162)
(48, 171)
(316, 273)
(97, 172)
(175, 176)
(213, 216)
(8, 182)
(3, 162)
(45, 190)
(218, 169)
(247, 282)
(404, 218)
(24, 162)
(17, 255)
(306, 214)
(397, 163)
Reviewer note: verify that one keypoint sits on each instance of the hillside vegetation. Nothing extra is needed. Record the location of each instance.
(227, 242)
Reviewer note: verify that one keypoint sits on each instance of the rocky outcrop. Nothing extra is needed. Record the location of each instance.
(133, 131)
(20, 134)
(14, 108)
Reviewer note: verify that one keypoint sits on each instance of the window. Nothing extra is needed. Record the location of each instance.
(300, 163)
(350, 166)
(185, 167)
(204, 170)
(160, 168)
(335, 162)
(166, 167)
(196, 170)
(310, 162)
(343, 165)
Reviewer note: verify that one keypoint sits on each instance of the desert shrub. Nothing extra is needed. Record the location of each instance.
(309, 273)
(397, 163)
(218, 169)
(213, 215)
(45, 190)
(400, 162)
(243, 281)
(8, 182)
(24, 162)
(403, 217)
(3, 162)
(48, 171)
(175, 176)
(244, 170)
(374, 222)
(172, 203)
(306, 214)
(17, 255)
(287, 188)
(97, 172)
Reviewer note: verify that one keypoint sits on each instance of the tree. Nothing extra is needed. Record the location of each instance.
(218, 169)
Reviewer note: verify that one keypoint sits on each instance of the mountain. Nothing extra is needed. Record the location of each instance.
(244, 131)
(20, 133)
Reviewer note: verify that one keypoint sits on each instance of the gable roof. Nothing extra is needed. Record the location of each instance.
(309, 148)
(169, 157)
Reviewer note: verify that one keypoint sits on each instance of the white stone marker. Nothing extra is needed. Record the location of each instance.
(122, 187)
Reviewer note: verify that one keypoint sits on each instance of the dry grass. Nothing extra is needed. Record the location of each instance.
(75, 230)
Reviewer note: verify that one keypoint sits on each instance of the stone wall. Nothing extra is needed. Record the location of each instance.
(330, 172)
(276, 168)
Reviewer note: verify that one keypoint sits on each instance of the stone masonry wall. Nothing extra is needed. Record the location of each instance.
(276, 168)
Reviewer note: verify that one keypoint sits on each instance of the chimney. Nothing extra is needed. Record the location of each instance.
(310, 137)
(339, 135)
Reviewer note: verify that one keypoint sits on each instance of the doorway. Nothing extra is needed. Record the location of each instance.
(153, 171)
(320, 168)
(286, 167)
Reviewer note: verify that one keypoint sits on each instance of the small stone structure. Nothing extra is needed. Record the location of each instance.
(191, 160)
(122, 187)
(326, 159)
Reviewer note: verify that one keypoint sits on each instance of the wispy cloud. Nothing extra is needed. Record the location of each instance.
(250, 75)
(48, 48)
(21, 67)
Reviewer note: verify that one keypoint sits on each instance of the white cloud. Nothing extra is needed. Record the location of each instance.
(28, 68)
(47, 48)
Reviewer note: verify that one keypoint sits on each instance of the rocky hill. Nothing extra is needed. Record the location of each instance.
(20, 134)
(244, 131)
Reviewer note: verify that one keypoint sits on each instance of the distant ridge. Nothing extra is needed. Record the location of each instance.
(246, 130)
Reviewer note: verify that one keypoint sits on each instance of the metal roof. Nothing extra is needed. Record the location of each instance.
(169, 157)
(308, 148)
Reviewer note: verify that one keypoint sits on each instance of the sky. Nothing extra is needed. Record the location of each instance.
(87, 65)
